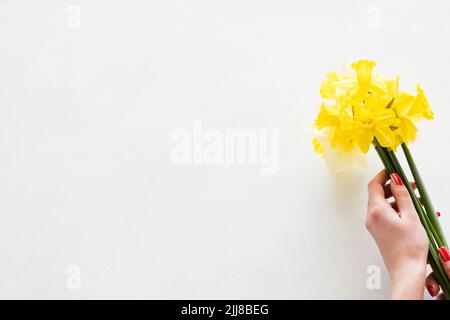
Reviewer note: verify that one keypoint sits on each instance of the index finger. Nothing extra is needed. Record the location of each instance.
(376, 187)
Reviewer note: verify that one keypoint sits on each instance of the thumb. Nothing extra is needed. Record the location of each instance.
(401, 195)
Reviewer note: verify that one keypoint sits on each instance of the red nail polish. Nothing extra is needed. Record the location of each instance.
(396, 179)
(438, 214)
(444, 253)
(430, 290)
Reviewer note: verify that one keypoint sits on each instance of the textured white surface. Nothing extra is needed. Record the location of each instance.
(86, 116)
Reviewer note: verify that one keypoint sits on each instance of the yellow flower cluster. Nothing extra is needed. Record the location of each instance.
(361, 106)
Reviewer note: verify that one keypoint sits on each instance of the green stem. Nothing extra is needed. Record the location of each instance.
(416, 201)
(425, 196)
(384, 159)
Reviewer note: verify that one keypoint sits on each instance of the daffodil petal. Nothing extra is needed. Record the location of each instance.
(385, 136)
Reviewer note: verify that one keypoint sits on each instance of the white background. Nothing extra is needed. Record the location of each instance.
(86, 116)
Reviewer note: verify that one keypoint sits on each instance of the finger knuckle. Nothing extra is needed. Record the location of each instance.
(402, 193)
(374, 214)
(374, 210)
(368, 224)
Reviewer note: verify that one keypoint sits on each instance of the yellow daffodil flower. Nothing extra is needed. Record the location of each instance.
(362, 107)
(328, 116)
(375, 121)
(421, 108)
(362, 82)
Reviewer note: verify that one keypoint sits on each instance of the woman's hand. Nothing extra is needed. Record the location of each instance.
(400, 237)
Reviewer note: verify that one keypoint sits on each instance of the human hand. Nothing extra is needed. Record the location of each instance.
(399, 235)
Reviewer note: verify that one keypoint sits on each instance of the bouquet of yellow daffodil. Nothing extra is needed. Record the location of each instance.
(361, 109)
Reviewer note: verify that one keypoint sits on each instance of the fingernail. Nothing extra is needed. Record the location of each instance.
(396, 179)
(438, 214)
(430, 290)
(444, 254)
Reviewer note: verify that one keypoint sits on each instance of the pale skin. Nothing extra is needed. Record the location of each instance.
(395, 226)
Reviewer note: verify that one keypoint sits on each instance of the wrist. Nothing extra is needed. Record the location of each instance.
(408, 281)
